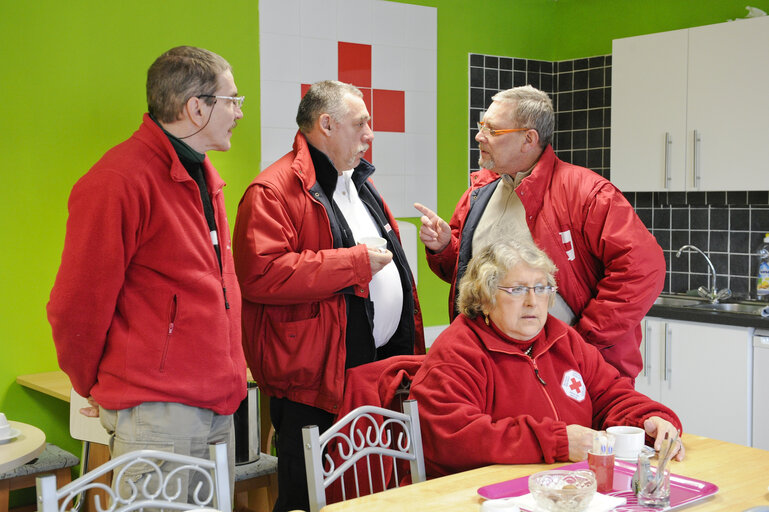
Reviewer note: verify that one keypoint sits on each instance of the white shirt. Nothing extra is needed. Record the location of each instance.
(385, 289)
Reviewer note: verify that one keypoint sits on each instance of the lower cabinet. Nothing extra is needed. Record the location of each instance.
(702, 372)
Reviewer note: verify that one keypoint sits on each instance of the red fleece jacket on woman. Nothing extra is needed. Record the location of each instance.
(483, 401)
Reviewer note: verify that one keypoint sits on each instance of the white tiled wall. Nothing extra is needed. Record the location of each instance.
(298, 44)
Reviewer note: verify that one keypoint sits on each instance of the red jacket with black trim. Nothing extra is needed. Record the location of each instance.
(292, 278)
(610, 268)
(483, 401)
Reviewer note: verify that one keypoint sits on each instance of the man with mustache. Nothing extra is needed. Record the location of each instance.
(610, 268)
(316, 301)
(145, 310)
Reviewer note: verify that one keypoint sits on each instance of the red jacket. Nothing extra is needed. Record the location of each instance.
(294, 314)
(138, 308)
(481, 400)
(610, 268)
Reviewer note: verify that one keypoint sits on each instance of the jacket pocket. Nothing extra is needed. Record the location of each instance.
(172, 312)
(296, 351)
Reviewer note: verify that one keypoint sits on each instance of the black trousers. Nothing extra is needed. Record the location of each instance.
(288, 418)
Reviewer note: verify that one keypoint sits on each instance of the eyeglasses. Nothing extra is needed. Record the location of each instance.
(236, 100)
(540, 290)
(483, 128)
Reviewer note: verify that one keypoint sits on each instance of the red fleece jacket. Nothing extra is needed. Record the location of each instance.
(139, 311)
(483, 401)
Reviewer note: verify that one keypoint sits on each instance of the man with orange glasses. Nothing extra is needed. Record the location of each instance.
(610, 268)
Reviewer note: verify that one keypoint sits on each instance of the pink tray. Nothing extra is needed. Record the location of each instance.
(683, 490)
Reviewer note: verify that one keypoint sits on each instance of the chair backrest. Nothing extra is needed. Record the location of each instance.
(160, 493)
(362, 451)
(84, 428)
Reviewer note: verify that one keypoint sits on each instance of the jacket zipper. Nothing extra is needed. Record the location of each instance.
(220, 262)
(172, 320)
(544, 389)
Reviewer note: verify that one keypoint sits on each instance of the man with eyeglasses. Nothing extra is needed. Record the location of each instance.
(145, 310)
(610, 268)
(316, 299)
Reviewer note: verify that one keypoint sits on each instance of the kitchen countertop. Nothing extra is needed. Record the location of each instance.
(710, 317)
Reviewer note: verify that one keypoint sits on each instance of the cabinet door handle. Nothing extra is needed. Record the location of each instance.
(696, 158)
(668, 148)
(668, 370)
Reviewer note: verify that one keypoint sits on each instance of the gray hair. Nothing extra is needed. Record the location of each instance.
(478, 287)
(533, 109)
(178, 75)
(326, 97)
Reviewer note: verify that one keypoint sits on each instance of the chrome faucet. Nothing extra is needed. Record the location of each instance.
(712, 294)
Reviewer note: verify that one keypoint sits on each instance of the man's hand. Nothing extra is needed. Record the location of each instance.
(379, 260)
(435, 232)
(580, 441)
(92, 411)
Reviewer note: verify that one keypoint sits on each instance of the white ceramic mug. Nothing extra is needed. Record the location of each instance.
(628, 441)
(5, 427)
(375, 243)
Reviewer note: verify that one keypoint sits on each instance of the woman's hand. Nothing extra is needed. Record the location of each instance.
(580, 441)
(656, 427)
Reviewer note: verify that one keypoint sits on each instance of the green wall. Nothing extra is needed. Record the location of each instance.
(72, 86)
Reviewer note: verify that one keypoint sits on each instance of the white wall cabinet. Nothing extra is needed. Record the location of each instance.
(689, 108)
(702, 372)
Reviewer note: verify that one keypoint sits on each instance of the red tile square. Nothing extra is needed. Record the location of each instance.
(388, 111)
(355, 64)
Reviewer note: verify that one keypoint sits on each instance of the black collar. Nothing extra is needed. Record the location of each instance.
(326, 174)
(187, 155)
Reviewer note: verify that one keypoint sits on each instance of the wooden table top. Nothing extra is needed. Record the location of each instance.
(55, 384)
(740, 472)
(21, 449)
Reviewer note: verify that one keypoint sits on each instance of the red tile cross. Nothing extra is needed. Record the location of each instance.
(387, 107)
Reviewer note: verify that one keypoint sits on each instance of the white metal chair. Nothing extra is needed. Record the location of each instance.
(362, 451)
(155, 491)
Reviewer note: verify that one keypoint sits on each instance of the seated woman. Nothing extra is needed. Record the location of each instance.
(506, 383)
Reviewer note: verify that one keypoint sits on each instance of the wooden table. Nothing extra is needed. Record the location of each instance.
(741, 473)
(16, 452)
(55, 384)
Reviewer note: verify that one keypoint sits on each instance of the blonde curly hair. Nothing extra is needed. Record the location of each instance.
(478, 287)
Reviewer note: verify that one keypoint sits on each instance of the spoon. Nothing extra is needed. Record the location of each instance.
(666, 453)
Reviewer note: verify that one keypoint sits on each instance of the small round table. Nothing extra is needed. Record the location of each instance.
(27, 446)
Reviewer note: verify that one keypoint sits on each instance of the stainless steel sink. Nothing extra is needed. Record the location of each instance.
(689, 302)
(746, 309)
(677, 301)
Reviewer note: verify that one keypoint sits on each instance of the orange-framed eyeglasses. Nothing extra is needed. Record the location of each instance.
(484, 129)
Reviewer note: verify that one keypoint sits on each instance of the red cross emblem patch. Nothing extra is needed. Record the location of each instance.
(573, 385)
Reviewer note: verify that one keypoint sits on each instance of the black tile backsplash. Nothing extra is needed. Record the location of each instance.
(729, 234)
(728, 226)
